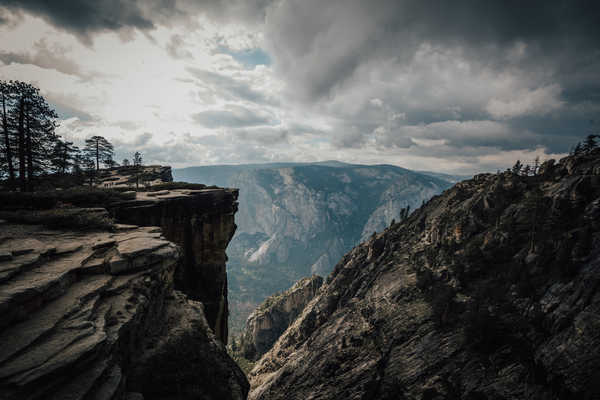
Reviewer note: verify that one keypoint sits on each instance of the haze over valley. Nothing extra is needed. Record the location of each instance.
(295, 220)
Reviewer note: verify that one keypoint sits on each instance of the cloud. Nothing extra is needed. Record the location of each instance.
(233, 116)
(175, 48)
(67, 106)
(539, 101)
(319, 47)
(459, 85)
(47, 56)
(228, 87)
(84, 18)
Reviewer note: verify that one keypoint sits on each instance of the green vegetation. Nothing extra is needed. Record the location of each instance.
(234, 352)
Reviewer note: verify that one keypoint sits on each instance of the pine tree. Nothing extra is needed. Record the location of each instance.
(516, 169)
(125, 162)
(98, 149)
(89, 168)
(7, 97)
(137, 163)
(589, 143)
(137, 159)
(404, 213)
(28, 125)
(63, 156)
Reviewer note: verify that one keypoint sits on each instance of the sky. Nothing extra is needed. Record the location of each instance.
(459, 87)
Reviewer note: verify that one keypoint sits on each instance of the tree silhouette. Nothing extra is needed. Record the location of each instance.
(404, 213)
(64, 156)
(28, 132)
(98, 149)
(137, 163)
(7, 94)
(137, 159)
(516, 169)
(589, 143)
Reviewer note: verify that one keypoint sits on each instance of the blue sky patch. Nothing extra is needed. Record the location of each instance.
(249, 58)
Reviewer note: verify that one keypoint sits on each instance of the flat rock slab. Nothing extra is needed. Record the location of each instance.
(63, 308)
(138, 246)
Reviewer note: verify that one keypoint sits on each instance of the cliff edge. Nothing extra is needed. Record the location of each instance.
(90, 308)
(202, 223)
(489, 291)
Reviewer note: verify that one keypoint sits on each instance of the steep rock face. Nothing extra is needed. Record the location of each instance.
(274, 315)
(489, 291)
(202, 223)
(85, 314)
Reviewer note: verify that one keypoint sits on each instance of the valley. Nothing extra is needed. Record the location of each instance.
(298, 219)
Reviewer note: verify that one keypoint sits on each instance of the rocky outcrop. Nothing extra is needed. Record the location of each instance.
(274, 315)
(94, 316)
(489, 291)
(202, 223)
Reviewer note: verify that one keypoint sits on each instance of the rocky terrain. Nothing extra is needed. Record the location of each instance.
(130, 176)
(274, 315)
(93, 313)
(296, 220)
(489, 291)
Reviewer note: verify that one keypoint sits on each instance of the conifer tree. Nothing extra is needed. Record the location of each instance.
(98, 149)
(589, 143)
(28, 132)
(516, 169)
(63, 156)
(137, 159)
(7, 98)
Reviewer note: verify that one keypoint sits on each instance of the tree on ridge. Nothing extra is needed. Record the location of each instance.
(99, 149)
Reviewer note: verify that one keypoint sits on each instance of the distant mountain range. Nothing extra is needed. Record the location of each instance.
(298, 219)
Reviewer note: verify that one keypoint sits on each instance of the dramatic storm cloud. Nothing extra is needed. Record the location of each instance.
(458, 86)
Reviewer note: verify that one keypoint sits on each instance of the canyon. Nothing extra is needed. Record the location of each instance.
(299, 219)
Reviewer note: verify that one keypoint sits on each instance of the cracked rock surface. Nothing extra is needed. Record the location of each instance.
(85, 314)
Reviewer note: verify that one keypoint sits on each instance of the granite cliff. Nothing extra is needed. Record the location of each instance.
(97, 314)
(202, 223)
(489, 291)
(274, 315)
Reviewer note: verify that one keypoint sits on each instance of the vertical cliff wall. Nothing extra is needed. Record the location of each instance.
(274, 315)
(202, 223)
